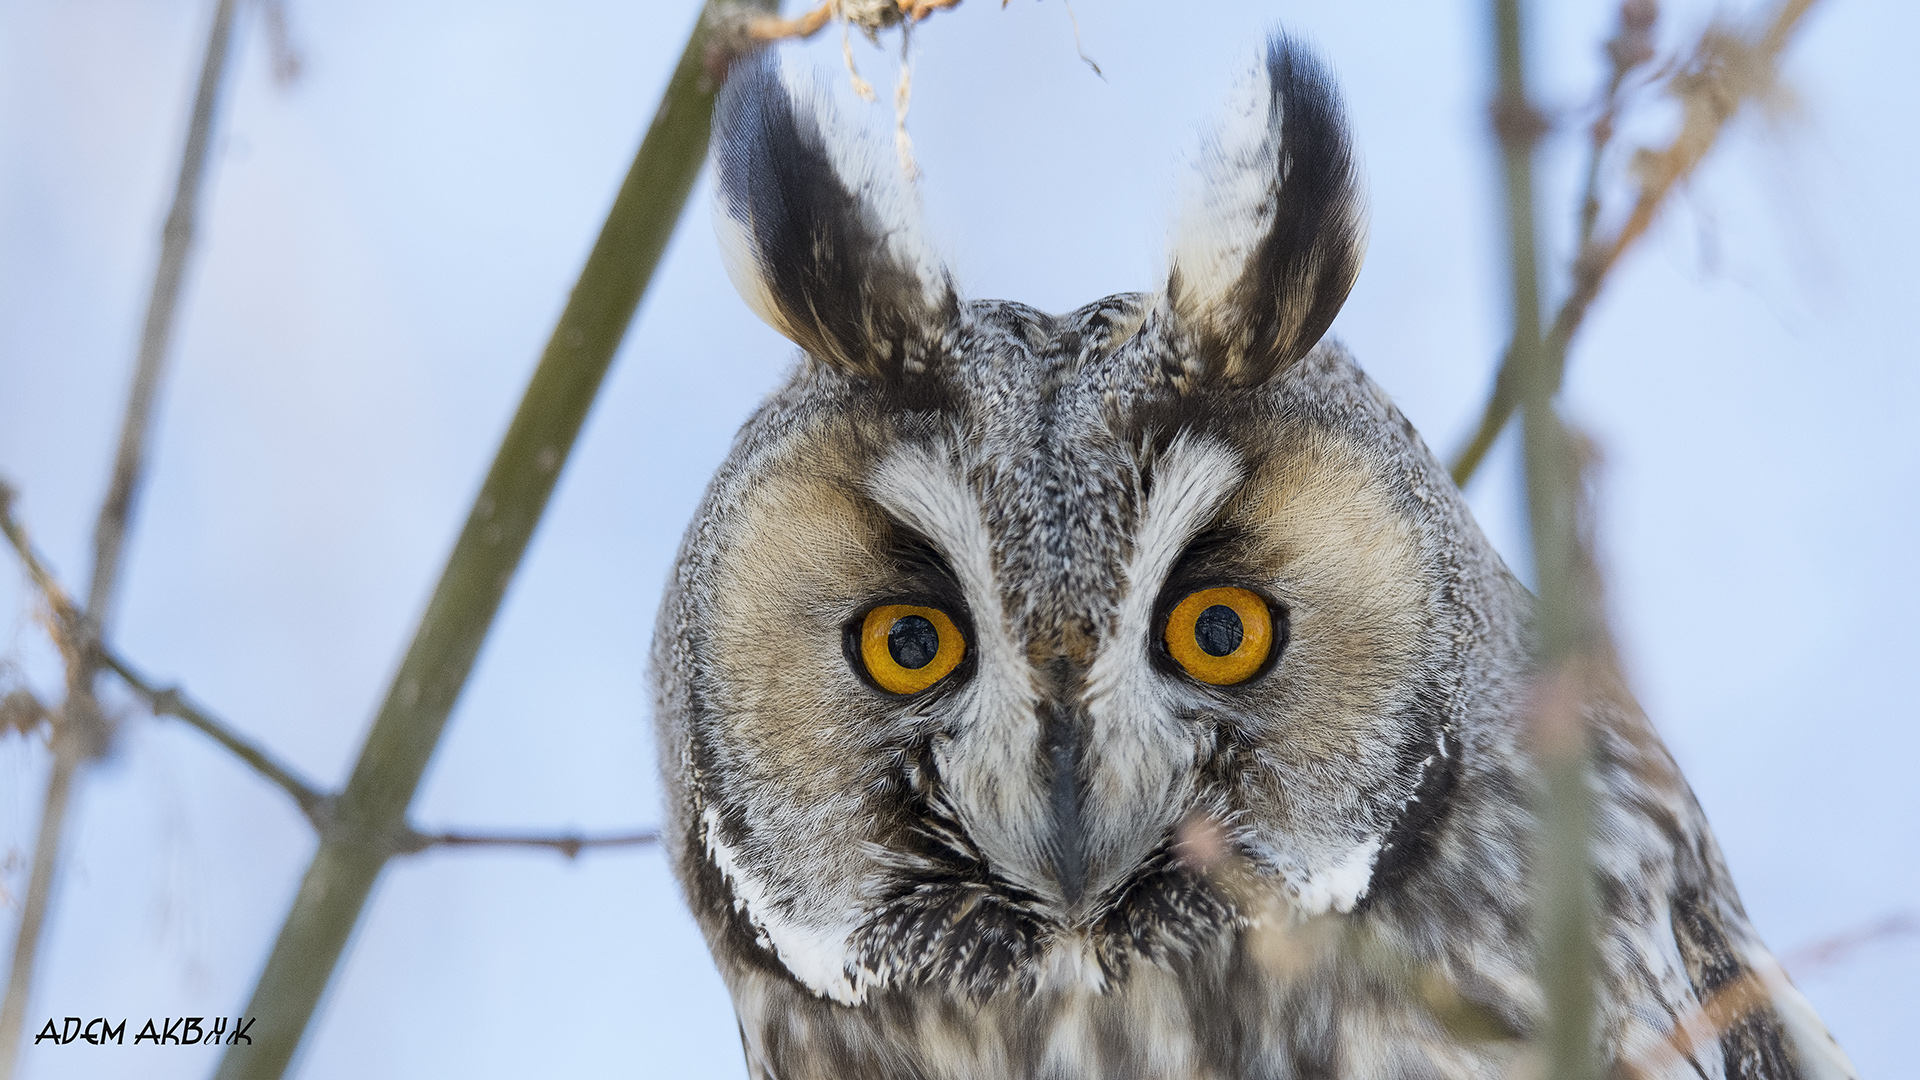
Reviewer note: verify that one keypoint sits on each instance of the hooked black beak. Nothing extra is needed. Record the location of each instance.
(1063, 727)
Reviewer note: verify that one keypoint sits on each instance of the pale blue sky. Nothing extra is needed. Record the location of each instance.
(388, 242)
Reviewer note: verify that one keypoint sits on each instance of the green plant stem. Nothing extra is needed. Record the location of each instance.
(373, 806)
(1564, 907)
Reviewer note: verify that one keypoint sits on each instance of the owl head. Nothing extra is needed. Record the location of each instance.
(989, 607)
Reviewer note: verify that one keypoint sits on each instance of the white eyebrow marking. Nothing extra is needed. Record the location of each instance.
(988, 762)
(927, 492)
(1190, 483)
(1140, 756)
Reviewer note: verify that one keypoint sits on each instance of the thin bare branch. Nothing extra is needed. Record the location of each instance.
(81, 731)
(64, 618)
(176, 240)
(71, 724)
(163, 701)
(1836, 949)
(1077, 47)
(1493, 421)
(1629, 48)
(169, 701)
(33, 913)
(1725, 71)
(570, 845)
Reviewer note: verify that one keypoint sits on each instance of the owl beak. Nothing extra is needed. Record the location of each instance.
(1062, 726)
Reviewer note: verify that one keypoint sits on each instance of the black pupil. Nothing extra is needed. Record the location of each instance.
(1217, 630)
(913, 641)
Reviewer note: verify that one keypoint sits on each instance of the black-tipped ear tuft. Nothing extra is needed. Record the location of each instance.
(820, 233)
(1270, 239)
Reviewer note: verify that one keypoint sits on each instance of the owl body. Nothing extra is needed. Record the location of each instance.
(1129, 692)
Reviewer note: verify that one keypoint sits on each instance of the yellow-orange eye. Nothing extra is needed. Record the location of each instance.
(1220, 636)
(908, 648)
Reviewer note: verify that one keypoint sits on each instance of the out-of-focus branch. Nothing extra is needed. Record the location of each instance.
(287, 61)
(63, 617)
(318, 805)
(1289, 948)
(474, 581)
(33, 913)
(1575, 659)
(80, 729)
(176, 240)
(1563, 890)
(315, 804)
(1630, 47)
(75, 725)
(169, 701)
(569, 845)
(1725, 70)
(1838, 948)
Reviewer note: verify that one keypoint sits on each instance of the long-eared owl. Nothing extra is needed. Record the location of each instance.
(1128, 692)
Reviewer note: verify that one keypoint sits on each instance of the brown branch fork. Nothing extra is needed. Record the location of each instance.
(1724, 71)
(315, 804)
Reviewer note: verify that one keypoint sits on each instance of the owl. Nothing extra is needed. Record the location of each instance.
(1129, 692)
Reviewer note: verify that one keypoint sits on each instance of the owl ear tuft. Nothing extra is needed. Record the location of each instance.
(1270, 236)
(820, 231)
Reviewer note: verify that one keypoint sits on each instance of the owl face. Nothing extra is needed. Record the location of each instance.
(990, 608)
(1021, 673)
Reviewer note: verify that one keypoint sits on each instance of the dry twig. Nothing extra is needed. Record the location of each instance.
(63, 618)
(157, 333)
(80, 729)
(170, 701)
(1725, 70)
(871, 16)
(568, 845)
(77, 730)
(1837, 948)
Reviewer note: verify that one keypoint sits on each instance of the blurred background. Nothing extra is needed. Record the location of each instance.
(388, 239)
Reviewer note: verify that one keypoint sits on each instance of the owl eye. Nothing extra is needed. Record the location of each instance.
(1220, 636)
(907, 648)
